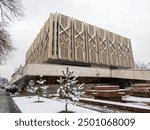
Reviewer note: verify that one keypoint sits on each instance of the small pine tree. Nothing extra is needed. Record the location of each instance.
(30, 88)
(69, 90)
(39, 89)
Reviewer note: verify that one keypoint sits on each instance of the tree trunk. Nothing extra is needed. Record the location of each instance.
(38, 98)
(66, 107)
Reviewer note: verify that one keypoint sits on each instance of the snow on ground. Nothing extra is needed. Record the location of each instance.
(136, 99)
(28, 105)
(113, 103)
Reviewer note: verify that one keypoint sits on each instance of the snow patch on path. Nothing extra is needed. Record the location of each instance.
(136, 99)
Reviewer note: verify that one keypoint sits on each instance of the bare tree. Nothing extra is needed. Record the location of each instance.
(3, 82)
(9, 10)
(5, 45)
(142, 66)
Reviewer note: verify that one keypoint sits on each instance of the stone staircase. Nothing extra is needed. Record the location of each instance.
(107, 92)
(142, 90)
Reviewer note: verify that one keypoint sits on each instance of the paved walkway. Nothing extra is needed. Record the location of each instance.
(3, 102)
(7, 105)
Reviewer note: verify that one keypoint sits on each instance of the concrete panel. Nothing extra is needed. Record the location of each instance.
(104, 72)
(126, 74)
(56, 70)
(131, 74)
(145, 75)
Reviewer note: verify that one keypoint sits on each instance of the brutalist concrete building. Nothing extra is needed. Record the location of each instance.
(94, 54)
(64, 40)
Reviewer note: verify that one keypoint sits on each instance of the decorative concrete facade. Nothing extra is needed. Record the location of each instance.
(67, 40)
(96, 56)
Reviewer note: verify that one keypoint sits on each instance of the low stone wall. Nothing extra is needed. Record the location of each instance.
(142, 90)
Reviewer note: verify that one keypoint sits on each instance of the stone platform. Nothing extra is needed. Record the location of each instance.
(142, 90)
(109, 92)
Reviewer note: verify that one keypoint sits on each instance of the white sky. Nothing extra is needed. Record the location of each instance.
(130, 18)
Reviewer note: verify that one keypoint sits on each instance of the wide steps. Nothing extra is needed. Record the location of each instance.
(108, 91)
(142, 90)
(109, 87)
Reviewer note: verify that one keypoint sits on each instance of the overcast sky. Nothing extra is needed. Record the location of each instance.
(130, 18)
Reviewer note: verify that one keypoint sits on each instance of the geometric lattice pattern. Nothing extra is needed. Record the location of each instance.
(128, 52)
(69, 39)
(112, 46)
(38, 51)
(64, 37)
(121, 51)
(92, 44)
(79, 41)
(103, 47)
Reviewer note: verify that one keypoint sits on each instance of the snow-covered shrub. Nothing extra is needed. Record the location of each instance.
(69, 88)
(30, 88)
(37, 87)
(40, 89)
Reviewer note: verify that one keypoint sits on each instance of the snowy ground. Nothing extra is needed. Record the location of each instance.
(137, 100)
(28, 105)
